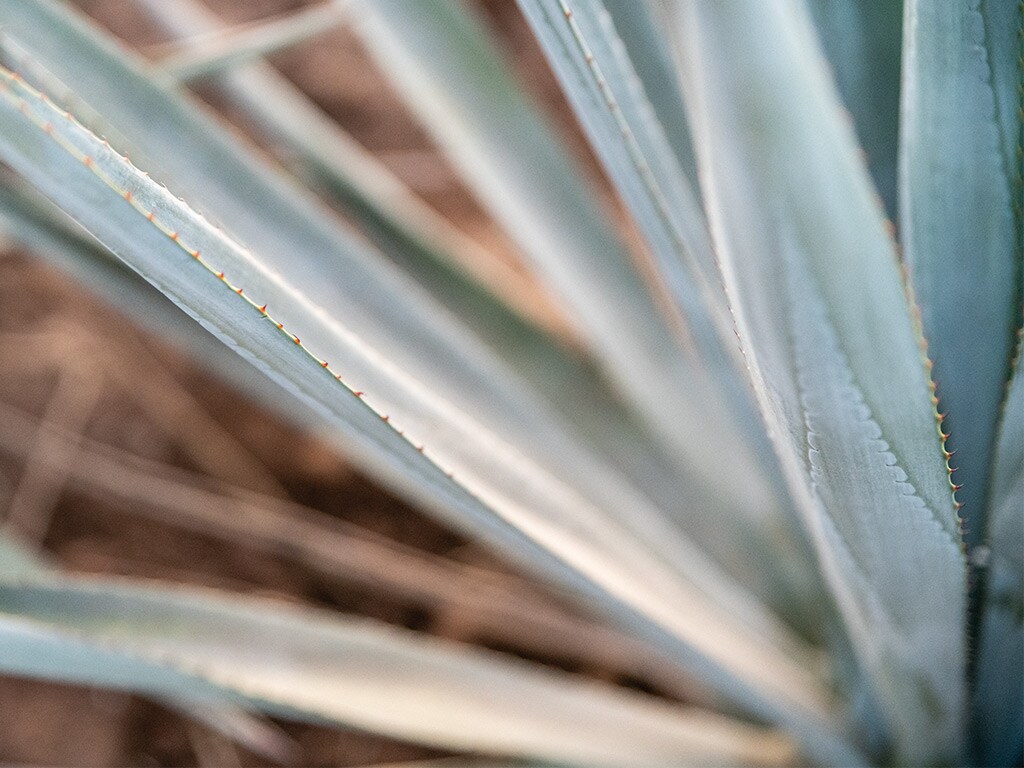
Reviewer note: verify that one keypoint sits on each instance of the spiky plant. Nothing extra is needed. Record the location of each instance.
(772, 521)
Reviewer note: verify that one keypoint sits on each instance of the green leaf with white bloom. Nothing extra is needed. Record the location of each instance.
(442, 61)
(172, 138)
(596, 73)
(198, 156)
(863, 44)
(263, 208)
(687, 608)
(833, 353)
(998, 705)
(960, 198)
(310, 665)
(29, 219)
(20, 565)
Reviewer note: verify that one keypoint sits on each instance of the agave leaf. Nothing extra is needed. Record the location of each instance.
(833, 354)
(206, 55)
(19, 564)
(17, 560)
(960, 216)
(654, 541)
(520, 419)
(590, 59)
(34, 222)
(442, 61)
(863, 43)
(293, 234)
(326, 264)
(316, 666)
(998, 704)
(500, 495)
(647, 47)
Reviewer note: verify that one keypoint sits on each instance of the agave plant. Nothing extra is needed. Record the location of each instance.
(750, 469)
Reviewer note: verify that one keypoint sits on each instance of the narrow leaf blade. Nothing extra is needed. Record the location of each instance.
(311, 665)
(961, 233)
(835, 361)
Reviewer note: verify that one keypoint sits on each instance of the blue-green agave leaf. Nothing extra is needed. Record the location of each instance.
(448, 70)
(648, 48)
(960, 194)
(438, 257)
(863, 43)
(340, 276)
(834, 357)
(186, 642)
(597, 75)
(998, 704)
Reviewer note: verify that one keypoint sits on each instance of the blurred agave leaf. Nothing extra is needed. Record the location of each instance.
(32, 220)
(309, 665)
(590, 59)
(449, 73)
(960, 216)
(204, 55)
(863, 43)
(998, 706)
(293, 234)
(596, 73)
(17, 560)
(835, 361)
(19, 564)
(701, 618)
(648, 49)
(424, 246)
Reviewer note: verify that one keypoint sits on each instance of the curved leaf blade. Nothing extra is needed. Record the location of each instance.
(863, 42)
(441, 59)
(960, 219)
(429, 249)
(293, 236)
(834, 357)
(596, 74)
(309, 664)
(997, 716)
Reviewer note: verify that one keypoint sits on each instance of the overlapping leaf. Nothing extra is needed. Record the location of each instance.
(833, 354)
(448, 71)
(998, 706)
(863, 44)
(960, 203)
(598, 76)
(293, 236)
(429, 249)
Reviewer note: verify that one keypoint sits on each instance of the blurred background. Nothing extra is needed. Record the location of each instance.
(150, 456)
